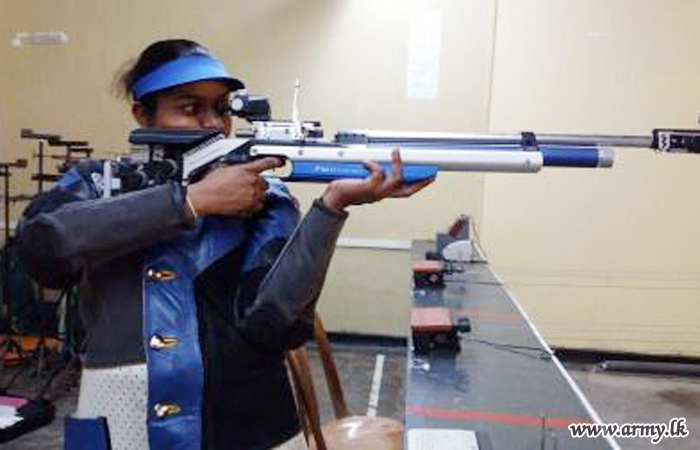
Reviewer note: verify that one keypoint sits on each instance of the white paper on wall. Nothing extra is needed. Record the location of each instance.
(39, 38)
(423, 68)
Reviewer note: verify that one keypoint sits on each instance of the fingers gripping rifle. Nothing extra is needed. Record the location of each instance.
(184, 155)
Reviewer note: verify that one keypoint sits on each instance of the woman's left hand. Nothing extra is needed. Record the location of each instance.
(377, 186)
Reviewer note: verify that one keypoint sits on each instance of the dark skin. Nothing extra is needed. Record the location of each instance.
(239, 190)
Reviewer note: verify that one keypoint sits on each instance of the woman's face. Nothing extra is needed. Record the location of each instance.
(202, 104)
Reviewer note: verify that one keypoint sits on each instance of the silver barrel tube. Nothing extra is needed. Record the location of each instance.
(397, 137)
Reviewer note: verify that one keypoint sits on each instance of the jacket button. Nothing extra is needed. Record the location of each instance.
(159, 342)
(166, 409)
(160, 274)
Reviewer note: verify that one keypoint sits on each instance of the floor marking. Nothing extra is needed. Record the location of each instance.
(376, 386)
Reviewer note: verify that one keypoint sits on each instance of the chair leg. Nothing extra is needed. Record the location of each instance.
(301, 409)
(303, 384)
(332, 380)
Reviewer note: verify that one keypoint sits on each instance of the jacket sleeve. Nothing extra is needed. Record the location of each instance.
(62, 233)
(282, 315)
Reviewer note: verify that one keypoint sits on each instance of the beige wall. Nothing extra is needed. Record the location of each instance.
(609, 259)
(604, 259)
(368, 292)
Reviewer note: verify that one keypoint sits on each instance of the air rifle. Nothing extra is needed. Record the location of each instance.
(185, 155)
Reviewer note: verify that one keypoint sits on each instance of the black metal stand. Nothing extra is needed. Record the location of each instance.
(75, 151)
(70, 360)
(9, 344)
(51, 364)
(40, 176)
(5, 173)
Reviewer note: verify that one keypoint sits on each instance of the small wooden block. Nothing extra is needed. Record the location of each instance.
(431, 319)
(427, 266)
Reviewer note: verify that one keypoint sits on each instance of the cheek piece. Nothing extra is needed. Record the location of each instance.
(187, 69)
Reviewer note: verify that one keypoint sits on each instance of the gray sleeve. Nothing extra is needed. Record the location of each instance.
(282, 314)
(57, 245)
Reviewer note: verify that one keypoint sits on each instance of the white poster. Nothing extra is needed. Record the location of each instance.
(423, 68)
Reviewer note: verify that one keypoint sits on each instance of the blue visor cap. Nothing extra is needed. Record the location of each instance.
(188, 69)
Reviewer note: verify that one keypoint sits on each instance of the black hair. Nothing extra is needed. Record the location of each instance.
(154, 56)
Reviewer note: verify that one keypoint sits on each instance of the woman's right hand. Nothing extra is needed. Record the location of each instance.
(237, 190)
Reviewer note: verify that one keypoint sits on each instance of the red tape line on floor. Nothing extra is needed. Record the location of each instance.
(483, 416)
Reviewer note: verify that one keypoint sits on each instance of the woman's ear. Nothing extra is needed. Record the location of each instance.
(141, 115)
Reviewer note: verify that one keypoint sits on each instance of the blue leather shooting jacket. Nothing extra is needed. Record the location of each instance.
(209, 304)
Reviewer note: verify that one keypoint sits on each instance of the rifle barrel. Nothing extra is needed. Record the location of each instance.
(407, 137)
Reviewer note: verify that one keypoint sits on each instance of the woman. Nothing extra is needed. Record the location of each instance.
(191, 296)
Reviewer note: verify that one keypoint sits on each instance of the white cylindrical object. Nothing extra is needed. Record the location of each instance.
(447, 160)
(106, 179)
